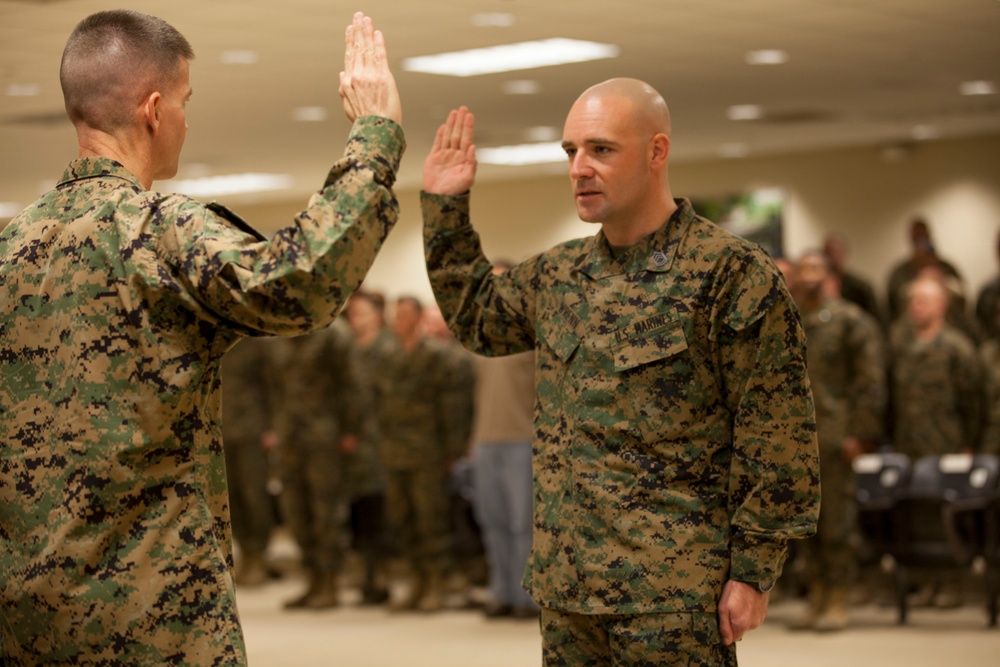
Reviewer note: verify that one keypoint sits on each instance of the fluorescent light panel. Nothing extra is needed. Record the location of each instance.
(522, 154)
(745, 112)
(231, 184)
(978, 88)
(511, 57)
(767, 57)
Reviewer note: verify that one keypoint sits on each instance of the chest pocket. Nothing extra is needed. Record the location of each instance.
(655, 368)
(561, 332)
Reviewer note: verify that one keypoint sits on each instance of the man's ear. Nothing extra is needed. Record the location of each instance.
(151, 111)
(659, 148)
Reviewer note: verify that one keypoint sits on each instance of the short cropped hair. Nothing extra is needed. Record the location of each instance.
(412, 301)
(113, 60)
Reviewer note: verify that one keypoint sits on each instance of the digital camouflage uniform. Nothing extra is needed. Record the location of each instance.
(322, 400)
(989, 354)
(936, 389)
(248, 411)
(847, 373)
(365, 477)
(675, 445)
(987, 308)
(425, 418)
(116, 306)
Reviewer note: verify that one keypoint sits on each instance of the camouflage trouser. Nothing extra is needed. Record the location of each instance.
(604, 640)
(831, 554)
(416, 509)
(250, 509)
(312, 501)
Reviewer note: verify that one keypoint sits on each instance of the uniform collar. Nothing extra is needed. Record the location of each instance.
(96, 167)
(655, 253)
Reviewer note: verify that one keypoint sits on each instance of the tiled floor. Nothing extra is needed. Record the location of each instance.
(353, 636)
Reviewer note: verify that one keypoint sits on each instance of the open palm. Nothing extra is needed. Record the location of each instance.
(450, 168)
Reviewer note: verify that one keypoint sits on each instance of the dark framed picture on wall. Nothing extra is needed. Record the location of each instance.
(756, 216)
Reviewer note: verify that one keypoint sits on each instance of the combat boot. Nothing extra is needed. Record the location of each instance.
(301, 601)
(405, 600)
(326, 595)
(252, 571)
(816, 605)
(835, 616)
(432, 598)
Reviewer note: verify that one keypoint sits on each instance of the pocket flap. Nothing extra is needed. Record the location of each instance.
(649, 340)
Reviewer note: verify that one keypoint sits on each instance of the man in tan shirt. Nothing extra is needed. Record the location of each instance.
(505, 402)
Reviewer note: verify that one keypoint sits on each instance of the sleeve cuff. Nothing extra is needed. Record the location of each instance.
(444, 213)
(377, 143)
(757, 562)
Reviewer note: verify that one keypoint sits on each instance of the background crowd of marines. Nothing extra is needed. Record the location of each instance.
(920, 376)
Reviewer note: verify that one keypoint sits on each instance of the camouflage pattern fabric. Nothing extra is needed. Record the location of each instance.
(116, 306)
(424, 400)
(989, 355)
(847, 373)
(675, 443)
(681, 639)
(248, 410)
(322, 400)
(936, 388)
(365, 476)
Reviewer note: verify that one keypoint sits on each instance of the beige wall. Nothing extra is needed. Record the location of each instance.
(858, 192)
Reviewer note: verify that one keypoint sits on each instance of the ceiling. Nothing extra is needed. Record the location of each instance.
(860, 72)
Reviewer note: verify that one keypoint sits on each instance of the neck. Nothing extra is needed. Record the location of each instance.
(930, 330)
(366, 338)
(812, 301)
(410, 342)
(629, 232)
(127, 151)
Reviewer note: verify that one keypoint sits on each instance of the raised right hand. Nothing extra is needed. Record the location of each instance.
(366, 84)
(450, 168)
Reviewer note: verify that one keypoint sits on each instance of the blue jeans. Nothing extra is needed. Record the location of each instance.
(503, 497)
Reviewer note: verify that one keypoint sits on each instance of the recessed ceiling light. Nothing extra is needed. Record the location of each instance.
(23, 89)
(231, 184)
(542, 133)
(734, 150)
(238, 57)
(978, 88)
(522, 87)
(309, 114)
(537, 153)
(511, 57)
(493, 20)
(745, 112)
(767, 57)
(925, 132)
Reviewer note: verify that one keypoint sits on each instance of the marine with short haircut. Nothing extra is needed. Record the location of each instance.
(116, 307)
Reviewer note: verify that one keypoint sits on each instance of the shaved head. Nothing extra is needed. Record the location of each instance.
(617, 139)
(649, 111)
(113, 61)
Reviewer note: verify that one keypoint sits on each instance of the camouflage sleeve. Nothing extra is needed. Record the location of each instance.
(970, 397)
(989, 443)
(868, 382)
(774, 488)
(351, 393)
(490, 315)
(457, 403)
(297, 281)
